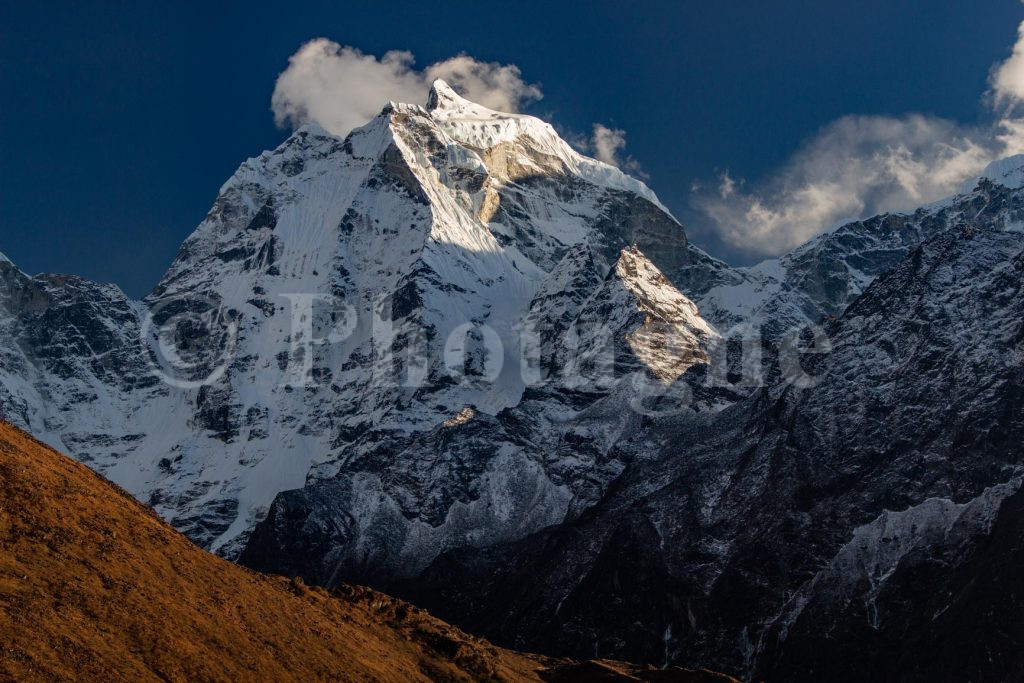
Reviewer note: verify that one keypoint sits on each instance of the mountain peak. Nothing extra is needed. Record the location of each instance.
(480, 128)
(312, 128)
(443, 96)
(8, 264)
(1008, 172)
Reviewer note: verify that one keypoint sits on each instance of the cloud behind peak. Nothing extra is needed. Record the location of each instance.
(341, 87)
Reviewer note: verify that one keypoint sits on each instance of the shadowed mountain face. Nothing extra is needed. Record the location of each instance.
(94, 587)
(846, 527)
(449, 356)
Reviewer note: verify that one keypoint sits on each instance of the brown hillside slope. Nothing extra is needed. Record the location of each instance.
(93, 586)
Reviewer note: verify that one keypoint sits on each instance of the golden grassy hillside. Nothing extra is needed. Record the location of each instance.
(94, 587)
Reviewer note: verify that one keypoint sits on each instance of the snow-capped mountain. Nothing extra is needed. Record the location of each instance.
(451, 356)
(346, 296)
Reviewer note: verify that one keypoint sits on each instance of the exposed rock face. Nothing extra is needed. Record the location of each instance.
(72, 362)
(477, 478)
(786, 534)
(929, 593)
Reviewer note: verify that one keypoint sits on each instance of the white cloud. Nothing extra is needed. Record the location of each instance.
(340, 87)
(857, 166)
(1007, 79)
(495, 86)
(607, 145)
(864, 165)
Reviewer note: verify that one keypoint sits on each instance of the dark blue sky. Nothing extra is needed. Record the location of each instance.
(119, 122)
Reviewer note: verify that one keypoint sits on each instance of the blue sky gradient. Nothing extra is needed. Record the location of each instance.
(120, 121)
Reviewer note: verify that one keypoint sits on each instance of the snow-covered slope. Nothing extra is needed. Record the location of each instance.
(518, 145)
(477, 478)
(1008, 172)
(862, 569)
(819, 279)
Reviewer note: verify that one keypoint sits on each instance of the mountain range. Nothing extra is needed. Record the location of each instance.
(450, 357)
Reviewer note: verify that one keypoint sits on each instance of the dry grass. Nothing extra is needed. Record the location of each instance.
(94, 587)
